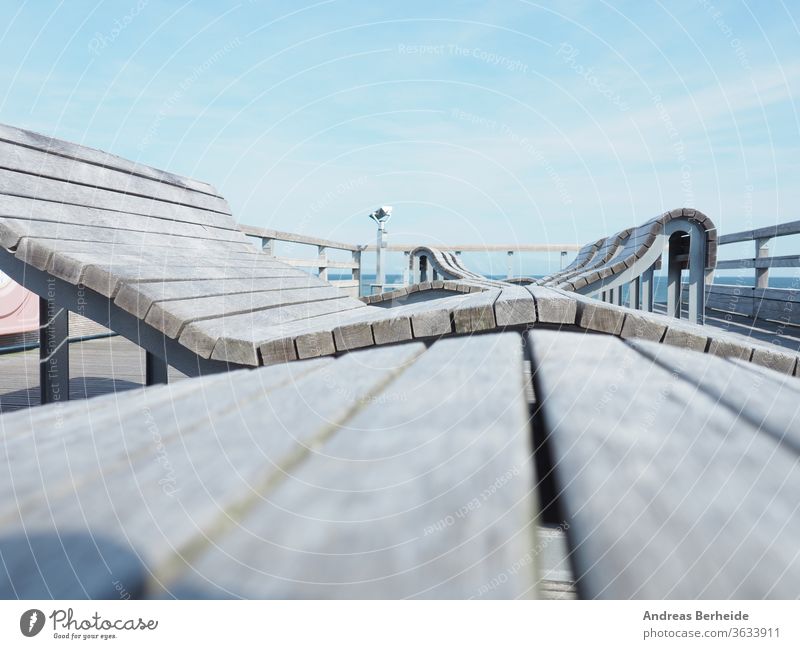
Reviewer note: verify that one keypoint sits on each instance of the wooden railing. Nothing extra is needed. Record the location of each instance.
(321, 262)
(510, 249)
(758, 301)
(761, 262)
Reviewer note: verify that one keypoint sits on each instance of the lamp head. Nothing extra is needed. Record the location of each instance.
(382, 214)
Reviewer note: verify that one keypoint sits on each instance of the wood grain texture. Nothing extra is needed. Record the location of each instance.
(99, 158)
(671, 491)
(39, 163)
(415, 495)
(174, 474)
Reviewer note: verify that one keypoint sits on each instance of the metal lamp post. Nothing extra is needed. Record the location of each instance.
(381, 216)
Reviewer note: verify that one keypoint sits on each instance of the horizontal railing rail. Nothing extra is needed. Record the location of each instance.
(761, 261)
(489, 247)
(269, 237)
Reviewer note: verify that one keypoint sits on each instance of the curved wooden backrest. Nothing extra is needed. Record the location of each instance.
(162, 247)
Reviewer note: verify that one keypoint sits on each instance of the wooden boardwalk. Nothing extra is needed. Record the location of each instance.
(96, 367)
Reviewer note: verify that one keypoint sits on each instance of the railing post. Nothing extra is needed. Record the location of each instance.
(53, 350)
(697, 277)
(673, 286)
(322, 258)
(423, 268)
(510, 265)
(268, 246)
(635, 293)
(357, 270)
(762, 274)
(408, 268)
(646, 290)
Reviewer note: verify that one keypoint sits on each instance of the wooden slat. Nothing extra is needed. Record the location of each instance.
(291, 237)
(670, 491)
(779, 230)
(97, 225)
(40, 252)
(476, 312)
(170, 317)
(315, 337)
(317, 263)
(74, 151)
(236, 337)
(137, 297)
(422, 493)
(163, 477)
(782, 261)
(38, 188)
(31, 161)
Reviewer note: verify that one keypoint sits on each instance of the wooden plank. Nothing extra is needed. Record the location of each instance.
(291, 237)
(316, 263)
(32, 210)
(137, 298)
(554, 306)
(394, 504)
(12, 231)
(54, 146)
(34, 162)
(38, 188)
(668, 491)
(39, 253)
(781, 261)
(171, 316)
(190, 479)
(107, 279)
(235, 337)
(515, 306)
(599, 316)
(476, 312)
(315, 337)
(769, 400)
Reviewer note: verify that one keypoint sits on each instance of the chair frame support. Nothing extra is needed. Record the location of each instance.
(161, 352)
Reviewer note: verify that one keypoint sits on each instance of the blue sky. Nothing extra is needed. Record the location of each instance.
(478, 121)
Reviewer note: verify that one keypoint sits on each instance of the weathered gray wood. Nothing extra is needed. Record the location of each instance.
(476, 312)
(676, 496)
(152, 230)
(514, 306)
(39, 252)
(39, 188)
(643, 326)
(107, 279)
(164, 479)
(396, 504)
(599, 316)
(33, 209)
(781, 261)
(554, 306)
(769, 400)
(361, 327)
(267, 233)
(137, 297)
(38, 163)
(97, 157)
(171, 316)
(237, 336)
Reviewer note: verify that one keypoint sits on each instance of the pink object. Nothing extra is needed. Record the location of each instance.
(19, 308)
